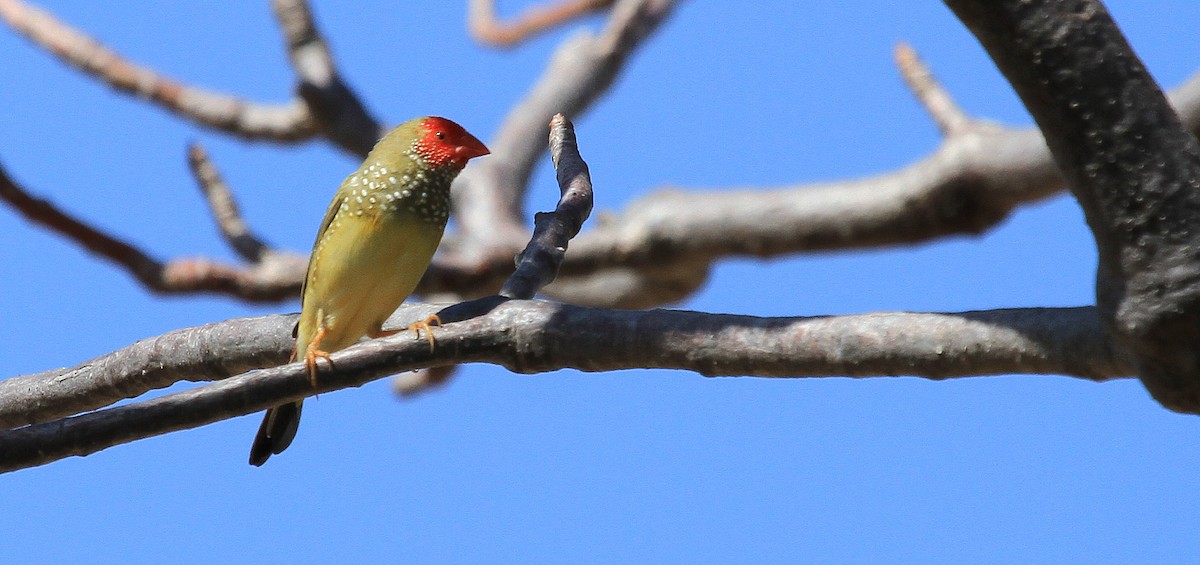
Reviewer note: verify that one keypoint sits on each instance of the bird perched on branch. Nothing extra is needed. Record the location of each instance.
(375, 242)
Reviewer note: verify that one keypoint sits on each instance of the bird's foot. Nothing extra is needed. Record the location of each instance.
(310, 362)
(427, 325)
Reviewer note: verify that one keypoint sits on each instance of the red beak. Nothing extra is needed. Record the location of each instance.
(469, 148)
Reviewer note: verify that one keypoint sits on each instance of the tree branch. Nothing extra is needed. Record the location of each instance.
(272, 279)
(1129, 161)
(489, 197)
(538, 264)
(487, 28)
(288, 122)
(945, 112)
(210, 352)
(223, 207)
(973, 181)
(343, 118)
(533, 336)
(326, 105)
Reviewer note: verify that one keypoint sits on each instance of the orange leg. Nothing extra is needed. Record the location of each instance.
(426, 324)
(311, 354)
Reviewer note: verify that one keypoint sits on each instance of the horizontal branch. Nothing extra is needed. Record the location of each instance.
(535, 336)
(204, 353)
(978, 176)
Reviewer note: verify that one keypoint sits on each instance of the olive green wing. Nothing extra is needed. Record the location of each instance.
(330, 214)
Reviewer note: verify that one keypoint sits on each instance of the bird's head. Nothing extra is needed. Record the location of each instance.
(443, 143)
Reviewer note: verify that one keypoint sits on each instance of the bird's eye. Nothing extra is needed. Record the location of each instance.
(440, 134)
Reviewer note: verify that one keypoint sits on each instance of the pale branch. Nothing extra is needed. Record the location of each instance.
(660, 251)
(949, 117)
(325, 105)
(971, 183)
(1130, 163)
(487, 28)
(974, 180)
(489, 197)
(272, 279)
(535, 336)
(342, 116)
(243, 118)
(223, 207)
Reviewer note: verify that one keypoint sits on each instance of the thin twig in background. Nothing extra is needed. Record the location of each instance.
(342, 117)
(223, 206)
(224, 112)
(487, 28)
(945, 112)
(268, 280)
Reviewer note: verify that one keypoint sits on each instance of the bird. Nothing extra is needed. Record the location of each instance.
(376, 240)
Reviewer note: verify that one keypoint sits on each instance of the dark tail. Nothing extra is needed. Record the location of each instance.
(276, 432)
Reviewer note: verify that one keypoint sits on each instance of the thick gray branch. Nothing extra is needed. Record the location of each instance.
(204, 353)
(1129, 161)
(534, 336)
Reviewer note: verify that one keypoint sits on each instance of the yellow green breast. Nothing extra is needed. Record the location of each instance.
(362, 269)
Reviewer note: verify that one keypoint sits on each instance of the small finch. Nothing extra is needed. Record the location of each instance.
(375, 242)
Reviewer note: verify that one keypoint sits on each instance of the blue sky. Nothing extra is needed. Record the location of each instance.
(633, 466)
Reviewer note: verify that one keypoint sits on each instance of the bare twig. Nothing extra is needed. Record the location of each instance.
(531, 336)
(489, 196)
(287, 122)
(538, 264)
(343, 118)
(267, 281)
(326, 106)
(487, 28)
(223, 207)
(945, 112)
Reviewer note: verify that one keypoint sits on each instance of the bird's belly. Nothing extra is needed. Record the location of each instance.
(363, 274)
